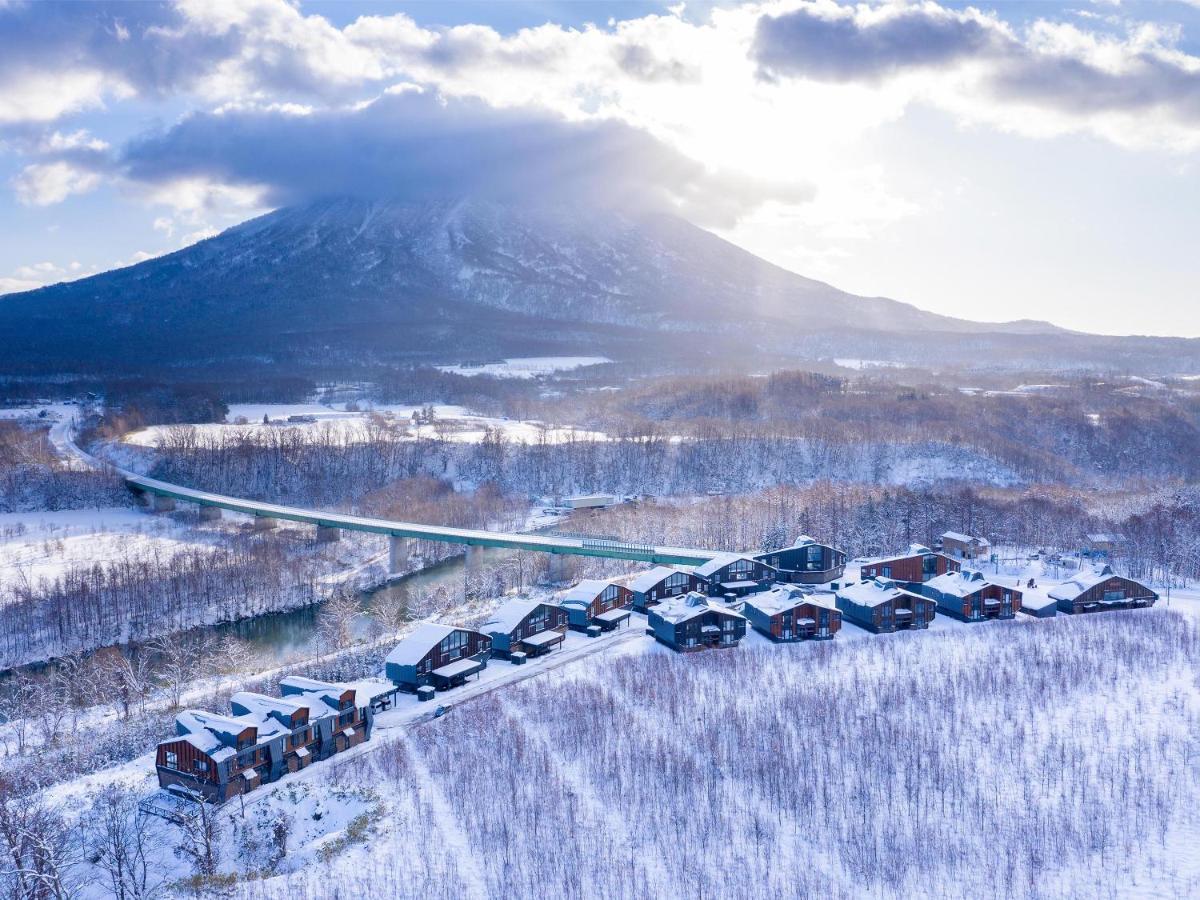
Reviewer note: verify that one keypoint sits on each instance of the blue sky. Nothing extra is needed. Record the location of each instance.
(993, 161)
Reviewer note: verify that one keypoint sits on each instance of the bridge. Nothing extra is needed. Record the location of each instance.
(163, 496)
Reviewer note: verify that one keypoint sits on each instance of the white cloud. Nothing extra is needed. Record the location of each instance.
(44, 184)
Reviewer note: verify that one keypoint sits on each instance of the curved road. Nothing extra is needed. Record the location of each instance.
(62, 437)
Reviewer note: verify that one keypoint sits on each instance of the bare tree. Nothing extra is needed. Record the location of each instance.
(199, 840)
(40, 852)
(121, 843)
(337, 620)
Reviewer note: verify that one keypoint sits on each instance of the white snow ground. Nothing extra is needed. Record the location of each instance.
(527, 367)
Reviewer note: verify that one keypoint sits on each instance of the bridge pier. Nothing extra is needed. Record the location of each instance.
(265, 523)
(210, 513)
(327, 534)
(399, 549)
(556, 569)
(159, 503)
(474, 559)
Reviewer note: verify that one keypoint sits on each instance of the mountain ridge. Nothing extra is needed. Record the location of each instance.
(343, 279)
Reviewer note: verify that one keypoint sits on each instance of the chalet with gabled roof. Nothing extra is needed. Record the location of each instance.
(965, 546)
(696, 622)
(911, 569)
(1099, 591)
(602, 603)
(439, 655)
(786, 613)
(529, 626)
(970, 597)
(805, 562)
(214, 756)
(883, 606)
(735, 574)
(350, 707)
(661, 583)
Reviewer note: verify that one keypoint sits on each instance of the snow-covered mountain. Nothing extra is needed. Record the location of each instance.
(351, 279)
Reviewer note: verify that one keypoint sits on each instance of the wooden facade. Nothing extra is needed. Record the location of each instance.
(911, 569)
(218, 757)
(785, 615)
(1101, 591)
(882, 606)
(440, 655)
(965, 546)
(661, 583)
(805, 562)
(694, 622)
(604, 604)
(970, 597)
(528, 626)
(735, 574)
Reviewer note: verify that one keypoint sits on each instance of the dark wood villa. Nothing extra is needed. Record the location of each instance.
(695, 622)
(965, 546)
(528, 626)
(735, 574)
(1098, 591)
(438, 655)
(882, 606)
(217, 757)
(970, 597)
(661, 583)
(604, 604)
(788, 614)
(805, 562)
(912, 569)
(352, 707)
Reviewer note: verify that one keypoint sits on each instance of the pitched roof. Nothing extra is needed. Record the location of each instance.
(913, 550)
(958, 584)
(781, 599)
(720, 561)
(261, 704)
(586, 591)
(412, 649)
(644, 581)
(689, 606)
(510, 615)
(965, 538)
(1083, 581)
(874, 592)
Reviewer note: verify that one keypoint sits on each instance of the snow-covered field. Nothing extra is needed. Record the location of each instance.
(245, 421)
(528, 367)
(40, 545)
(1034, 758)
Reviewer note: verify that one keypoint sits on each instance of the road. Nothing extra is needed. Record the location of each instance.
(62, 436)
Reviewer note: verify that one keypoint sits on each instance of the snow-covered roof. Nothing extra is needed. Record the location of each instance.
(958, 584)
(585, 592)
(644, 581)
(510, 615)
(216, 735)
(803, 541)
(262, 705)
(412, 649)
(913, 550)
(781, 599)
(964, 538)
(459, 667)
(872, 593)
(1084, 581)
(720, 561)
(688, 606)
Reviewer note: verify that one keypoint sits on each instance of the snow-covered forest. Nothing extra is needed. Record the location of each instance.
(1048, 759)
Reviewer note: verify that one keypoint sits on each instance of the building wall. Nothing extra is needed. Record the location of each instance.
(658, 593)
(910, 569)
(1136, 594)
(790, 563)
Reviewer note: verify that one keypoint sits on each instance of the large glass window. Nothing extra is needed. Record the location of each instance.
(172, 760)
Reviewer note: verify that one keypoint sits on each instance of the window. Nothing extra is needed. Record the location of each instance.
(452, 645)
(929, 565)
(201, 765)
(346, 718)
(679, 579)
(1110, 596)
(814, 558)
(741, 567)
(887, 571)
(172, 760)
